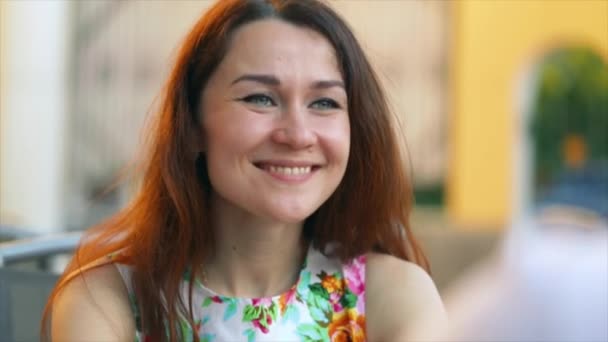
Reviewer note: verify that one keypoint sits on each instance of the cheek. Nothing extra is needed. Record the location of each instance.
(345, 139)
(337, 137)
(231, 129)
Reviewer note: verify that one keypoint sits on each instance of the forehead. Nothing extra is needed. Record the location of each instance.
(276, 46)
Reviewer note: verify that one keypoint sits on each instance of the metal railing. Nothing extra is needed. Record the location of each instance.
(38, 246)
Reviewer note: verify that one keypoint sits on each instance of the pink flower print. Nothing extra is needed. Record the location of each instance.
(261, 302)
(334, 299)
(263, 329)
(216, 299)
(354, 273)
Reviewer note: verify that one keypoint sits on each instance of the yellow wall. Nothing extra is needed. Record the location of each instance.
(492, 43)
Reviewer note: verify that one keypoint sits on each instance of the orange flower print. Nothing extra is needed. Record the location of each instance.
(331, 283)
(286, 299)
(347, 326)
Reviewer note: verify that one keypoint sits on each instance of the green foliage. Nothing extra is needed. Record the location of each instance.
(433, 195)
(572, 98)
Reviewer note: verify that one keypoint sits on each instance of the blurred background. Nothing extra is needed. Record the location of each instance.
(496, 99)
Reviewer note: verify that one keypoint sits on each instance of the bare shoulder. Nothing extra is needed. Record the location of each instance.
(93, 306)
(400, 296)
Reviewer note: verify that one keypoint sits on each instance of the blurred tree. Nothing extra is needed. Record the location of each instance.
(570, 113)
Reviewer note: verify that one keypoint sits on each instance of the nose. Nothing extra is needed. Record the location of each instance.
(294, 130)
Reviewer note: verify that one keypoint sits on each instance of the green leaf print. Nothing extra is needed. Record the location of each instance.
(312, 333)
(318, 290)
(263, 320)
(207, 302)
(302, 288)
(320, 310)
(274, 311)
(249, 313)
(207, 337)
(349, 299)
(319, 316)
(250, 333)
(258, 311)
(291, 314)
(186, 330)
(230, 309)
(319, 302)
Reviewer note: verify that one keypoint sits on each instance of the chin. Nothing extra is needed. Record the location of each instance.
(291, 216)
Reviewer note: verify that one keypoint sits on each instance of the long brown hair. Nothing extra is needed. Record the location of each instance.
(167, 227)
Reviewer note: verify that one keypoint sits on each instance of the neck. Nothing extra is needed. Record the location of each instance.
(253, 257)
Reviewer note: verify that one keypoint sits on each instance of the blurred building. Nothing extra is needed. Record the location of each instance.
(496, 50)
(117, 55)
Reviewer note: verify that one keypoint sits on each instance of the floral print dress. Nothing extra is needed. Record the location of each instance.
(326, 304)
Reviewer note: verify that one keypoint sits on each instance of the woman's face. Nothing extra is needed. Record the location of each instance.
(275, 122)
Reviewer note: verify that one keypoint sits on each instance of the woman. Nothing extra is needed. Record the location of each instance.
(274, 205)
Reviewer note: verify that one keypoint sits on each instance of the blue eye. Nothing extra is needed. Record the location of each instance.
(259, 100)
(325, 103)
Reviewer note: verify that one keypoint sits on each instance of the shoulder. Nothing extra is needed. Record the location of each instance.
(400, 295)
(93, 304)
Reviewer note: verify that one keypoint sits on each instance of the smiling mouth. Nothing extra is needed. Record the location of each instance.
(285, 170)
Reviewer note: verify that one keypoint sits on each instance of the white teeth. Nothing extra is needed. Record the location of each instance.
(289, 170)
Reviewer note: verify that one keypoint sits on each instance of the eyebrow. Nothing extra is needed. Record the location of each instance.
(328, 84)
(273, 81)
(264, 79)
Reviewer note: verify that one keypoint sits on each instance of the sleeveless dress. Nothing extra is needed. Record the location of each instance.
(327, 303)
